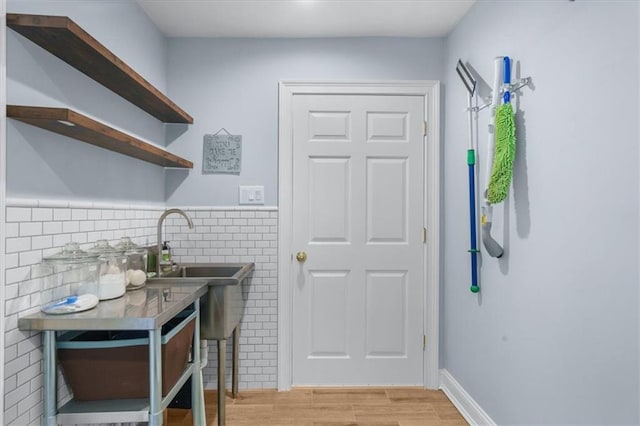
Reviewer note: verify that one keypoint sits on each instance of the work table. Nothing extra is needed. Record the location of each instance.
(148, 308)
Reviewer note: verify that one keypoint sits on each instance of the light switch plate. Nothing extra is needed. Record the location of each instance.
(251, 194)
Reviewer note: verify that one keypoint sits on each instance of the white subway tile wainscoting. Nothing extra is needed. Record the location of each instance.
(37, 228)
(230, 236)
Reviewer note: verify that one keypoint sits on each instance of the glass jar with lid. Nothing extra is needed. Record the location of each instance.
(136, 263)
(71, 279)
(113, 272)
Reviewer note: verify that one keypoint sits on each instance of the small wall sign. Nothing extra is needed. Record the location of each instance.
(222, 153)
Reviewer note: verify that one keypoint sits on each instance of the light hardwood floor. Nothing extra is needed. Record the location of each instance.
(330, 407)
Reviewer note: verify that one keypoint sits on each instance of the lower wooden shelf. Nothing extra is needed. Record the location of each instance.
(77, 126)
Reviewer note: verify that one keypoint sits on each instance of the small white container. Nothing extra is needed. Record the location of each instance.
(136, 263)
(113, 272)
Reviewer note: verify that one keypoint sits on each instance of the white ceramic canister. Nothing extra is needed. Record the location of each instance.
(113, 272)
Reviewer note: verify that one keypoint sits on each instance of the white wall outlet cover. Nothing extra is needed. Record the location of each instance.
(251, 194)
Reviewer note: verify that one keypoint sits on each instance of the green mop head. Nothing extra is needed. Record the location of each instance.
(505, 153)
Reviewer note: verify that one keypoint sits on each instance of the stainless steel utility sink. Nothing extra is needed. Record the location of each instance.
(221, 309)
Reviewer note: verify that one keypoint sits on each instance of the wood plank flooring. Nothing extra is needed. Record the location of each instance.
(330, 407)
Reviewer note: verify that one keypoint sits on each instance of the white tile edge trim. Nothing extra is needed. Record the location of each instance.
(32, 202)
(469, 408)
(232, 208)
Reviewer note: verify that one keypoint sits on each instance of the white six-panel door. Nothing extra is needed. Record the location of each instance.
(357, 215)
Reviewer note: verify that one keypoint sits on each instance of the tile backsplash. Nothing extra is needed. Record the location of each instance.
(232, 236)
(37, 228)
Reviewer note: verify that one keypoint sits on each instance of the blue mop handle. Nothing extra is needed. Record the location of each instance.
(471, 161)
(507, 79)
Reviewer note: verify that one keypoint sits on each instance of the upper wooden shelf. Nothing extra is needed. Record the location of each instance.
(74, 125)
(65, 39)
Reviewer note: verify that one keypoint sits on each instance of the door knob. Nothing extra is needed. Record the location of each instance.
(301, 256)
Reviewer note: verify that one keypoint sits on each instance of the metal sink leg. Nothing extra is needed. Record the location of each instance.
(222, 356)
(222, 353)
(234, 375)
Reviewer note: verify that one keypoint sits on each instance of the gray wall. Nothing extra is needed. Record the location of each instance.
(42, 164)
(553, 336)
(233, 83)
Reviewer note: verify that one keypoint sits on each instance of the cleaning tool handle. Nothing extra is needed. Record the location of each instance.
(473, 251)
(67, 301)
(507, 78)
(507, 70)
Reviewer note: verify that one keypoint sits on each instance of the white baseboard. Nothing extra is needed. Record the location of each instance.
(469, 409)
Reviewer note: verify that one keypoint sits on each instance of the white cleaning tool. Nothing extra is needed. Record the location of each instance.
(493, 248)
(71, 304)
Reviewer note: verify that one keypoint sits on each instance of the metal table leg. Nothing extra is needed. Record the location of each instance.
(197, 392)
(155, 378)
(222, 349)
(234, 374)
(50, 396)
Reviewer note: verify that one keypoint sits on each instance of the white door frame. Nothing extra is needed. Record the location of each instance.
(430, 90)
(3, 177)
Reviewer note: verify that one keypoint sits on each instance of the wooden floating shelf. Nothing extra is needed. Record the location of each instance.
(65, 39)
(74, 125)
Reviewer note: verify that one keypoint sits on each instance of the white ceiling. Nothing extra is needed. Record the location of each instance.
(305, 18)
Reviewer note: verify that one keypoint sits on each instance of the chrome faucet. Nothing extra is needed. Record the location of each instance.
(160, 221)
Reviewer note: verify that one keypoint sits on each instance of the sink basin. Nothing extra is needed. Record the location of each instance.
(221, 309)
(208, 271)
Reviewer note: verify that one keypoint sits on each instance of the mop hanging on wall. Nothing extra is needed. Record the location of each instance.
(470, 83)
(493, 248)
(499, 157)
(505, 141)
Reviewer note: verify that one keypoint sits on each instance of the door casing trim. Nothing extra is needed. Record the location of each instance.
(430, 90)
(3, 185)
